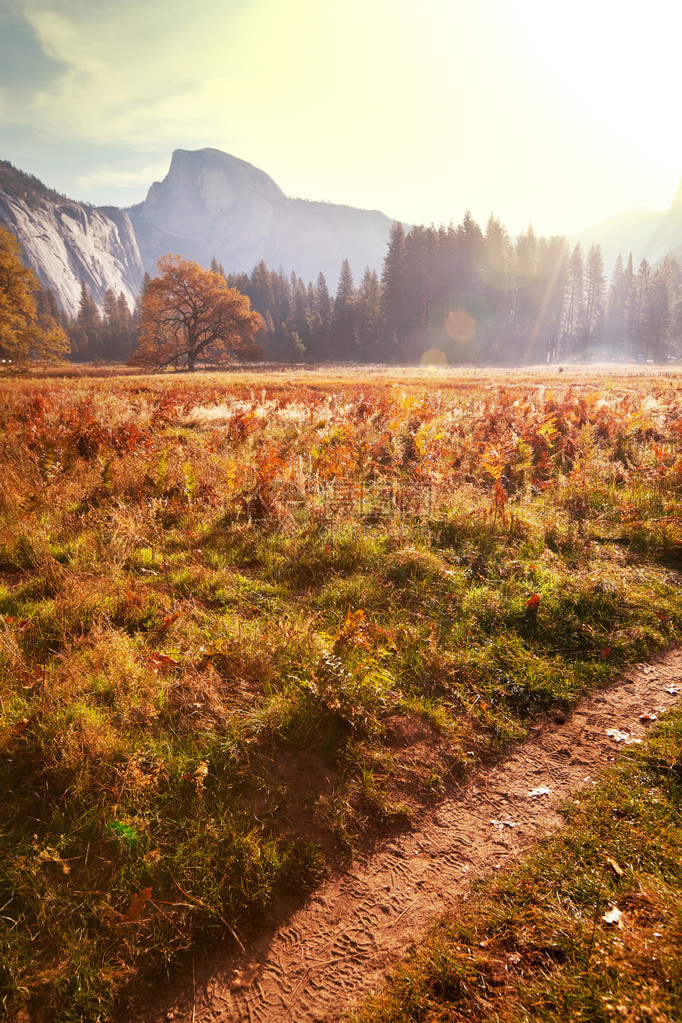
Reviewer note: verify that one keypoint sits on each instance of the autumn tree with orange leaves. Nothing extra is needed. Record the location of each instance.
(191, 314)
(24, 334)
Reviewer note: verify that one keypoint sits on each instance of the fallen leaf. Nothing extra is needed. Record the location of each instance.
(648, 717)
(136, 907)
(157, 661)
(212, 649)
(615, 867)
(605, 653)
(542, 790)
(22, 724)
(30, 678)
(613, 917)
(624, 737)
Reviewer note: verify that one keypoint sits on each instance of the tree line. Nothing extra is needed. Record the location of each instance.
(458, 294)
(476, 297)
(109, 334)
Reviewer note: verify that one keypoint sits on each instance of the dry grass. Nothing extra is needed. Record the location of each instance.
(543, 942)
(203, 576)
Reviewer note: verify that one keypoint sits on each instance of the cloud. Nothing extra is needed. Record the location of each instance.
(136, 73)
(419, 110)
(117, 176)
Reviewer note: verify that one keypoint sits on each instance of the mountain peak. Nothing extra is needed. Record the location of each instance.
(202, 185)
(237, 174)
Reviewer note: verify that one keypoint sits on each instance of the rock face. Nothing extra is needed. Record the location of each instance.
(211, 205)
(65, 242)
(667, 238)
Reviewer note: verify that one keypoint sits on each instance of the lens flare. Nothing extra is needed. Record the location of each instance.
(434, 357)
(460, 325)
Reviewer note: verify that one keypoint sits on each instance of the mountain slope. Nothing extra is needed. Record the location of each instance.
(211, 205)
(667, 238)
(65, 242)
(623, 234)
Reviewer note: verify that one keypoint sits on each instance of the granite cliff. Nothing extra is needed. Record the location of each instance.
(65, 242)
(211, 205)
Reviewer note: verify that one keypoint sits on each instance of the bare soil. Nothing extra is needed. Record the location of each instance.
(337, 946)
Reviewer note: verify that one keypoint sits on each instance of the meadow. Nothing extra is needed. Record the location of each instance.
(585, 930)
(250, 621)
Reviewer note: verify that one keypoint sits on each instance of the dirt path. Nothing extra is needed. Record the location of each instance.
(339, 945)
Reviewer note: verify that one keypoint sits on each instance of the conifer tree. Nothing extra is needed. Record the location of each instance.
(594, 296)
(575, 305)
(638, 311)
(343, 326)
(369, 318)
(615, 308)
(393, 281)
(88, 316)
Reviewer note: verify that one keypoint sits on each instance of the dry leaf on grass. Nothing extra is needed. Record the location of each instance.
(162, 661)
(615, 867)
(612, 917)
(136, 907)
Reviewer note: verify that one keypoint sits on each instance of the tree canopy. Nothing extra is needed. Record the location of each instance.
(24, 334)
(189, 314)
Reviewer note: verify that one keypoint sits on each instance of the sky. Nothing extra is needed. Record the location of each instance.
(562, 115)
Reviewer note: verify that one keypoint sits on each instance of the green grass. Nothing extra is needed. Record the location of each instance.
(186, 605)
(534, 943)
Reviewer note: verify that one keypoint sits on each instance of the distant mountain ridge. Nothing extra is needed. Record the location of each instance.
(628, 232)
(214, 205)
(667, 238)
(209, 205)
(641, 232)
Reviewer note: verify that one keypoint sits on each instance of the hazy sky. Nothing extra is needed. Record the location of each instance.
(563, 114)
